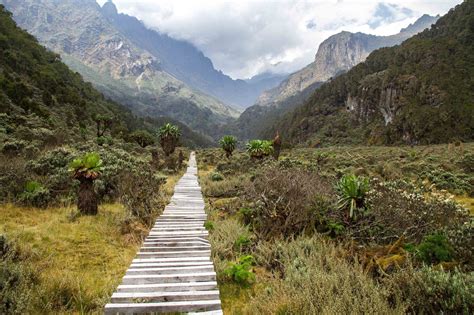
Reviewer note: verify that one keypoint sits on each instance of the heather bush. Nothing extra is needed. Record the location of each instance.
(284, 202)
(399, 209)
(433, 291)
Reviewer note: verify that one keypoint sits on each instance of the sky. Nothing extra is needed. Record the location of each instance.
(246, 37)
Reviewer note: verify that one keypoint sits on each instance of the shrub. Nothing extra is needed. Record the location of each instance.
(35, 195)
(431, 291)
(352, 193)
(143, 138)
(435, 248)
(13, 146)
(102, 140)
(17, 280)
(140, 194)
(400, 209)
(216, 177)
(283, 201)
(241, 271)
(312, 276)
(242, 243)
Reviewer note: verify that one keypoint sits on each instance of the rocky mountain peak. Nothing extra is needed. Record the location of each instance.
(109, 8)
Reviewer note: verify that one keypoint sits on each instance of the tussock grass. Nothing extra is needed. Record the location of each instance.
(79, 263)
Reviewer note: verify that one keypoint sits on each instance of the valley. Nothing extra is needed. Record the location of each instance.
(344, 187)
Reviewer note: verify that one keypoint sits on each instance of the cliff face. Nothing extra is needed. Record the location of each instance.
(419, 92)
(338, 54)
(92, 45)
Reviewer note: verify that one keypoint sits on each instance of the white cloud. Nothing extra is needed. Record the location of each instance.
(247, 37)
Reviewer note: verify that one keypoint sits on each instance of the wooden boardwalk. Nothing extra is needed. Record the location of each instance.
(173, 271)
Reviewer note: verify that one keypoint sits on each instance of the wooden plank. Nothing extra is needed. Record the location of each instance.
(172, 272)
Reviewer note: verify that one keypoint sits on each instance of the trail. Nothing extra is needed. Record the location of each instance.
(173, 271)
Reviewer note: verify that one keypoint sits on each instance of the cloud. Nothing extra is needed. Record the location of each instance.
(247, 37)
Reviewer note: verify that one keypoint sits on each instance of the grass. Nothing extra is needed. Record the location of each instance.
(86, 257)
(79, 262)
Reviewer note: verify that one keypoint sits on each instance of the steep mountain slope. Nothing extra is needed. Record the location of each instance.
(92, 45)
(336, 55)
(186, 63)
(419, 92)
(43, 103)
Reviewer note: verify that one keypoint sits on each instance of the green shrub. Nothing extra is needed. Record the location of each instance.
(435, 248)
(352, 194)
(241, 271)
(216, 177)
(242, 243)
(102, 140)
(209, 225)
(35, 195)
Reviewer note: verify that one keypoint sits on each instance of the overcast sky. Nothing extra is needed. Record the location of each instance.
(247, 37)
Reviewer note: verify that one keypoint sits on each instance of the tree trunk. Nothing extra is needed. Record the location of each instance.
(87, 198)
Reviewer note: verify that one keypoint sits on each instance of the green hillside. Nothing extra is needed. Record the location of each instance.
(43, 103)
(420, 92)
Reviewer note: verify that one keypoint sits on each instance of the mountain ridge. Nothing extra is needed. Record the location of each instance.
(188, 64)
(124, 72)
(419, 92)
(337, 54)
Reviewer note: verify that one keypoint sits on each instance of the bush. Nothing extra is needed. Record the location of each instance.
(17, 280)
(35, 195)
(283, 202)
(399, 209)
(312, 276)
(216, 177)
(241, 271)
(435, 248)
(431, 291)
(140, 194)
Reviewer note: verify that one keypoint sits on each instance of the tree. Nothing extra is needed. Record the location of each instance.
(259, 148)
(169, 137)
(87, 169)
(143, 138)
(276, 143)
(103, 123)
(228, 144)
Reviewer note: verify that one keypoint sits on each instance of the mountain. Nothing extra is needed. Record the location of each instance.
(186, 63)
(92, 45)
(336, 55)
(419, 92)
(43, 103)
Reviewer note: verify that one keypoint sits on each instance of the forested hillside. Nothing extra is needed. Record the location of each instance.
(125, 72)
(43, 103)
(419, 92)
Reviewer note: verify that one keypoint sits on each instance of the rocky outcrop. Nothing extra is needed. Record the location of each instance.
(336, 55)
